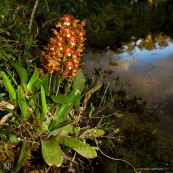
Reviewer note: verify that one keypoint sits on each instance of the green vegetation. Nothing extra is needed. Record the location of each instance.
(108, 22)
(40, 106)
(48, 108)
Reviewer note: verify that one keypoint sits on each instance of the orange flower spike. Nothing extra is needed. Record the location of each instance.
(62, 54)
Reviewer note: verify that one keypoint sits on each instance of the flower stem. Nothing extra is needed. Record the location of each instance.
(50, 80)
(58, 85)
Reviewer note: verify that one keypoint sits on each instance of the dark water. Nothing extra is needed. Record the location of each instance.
(145, 72)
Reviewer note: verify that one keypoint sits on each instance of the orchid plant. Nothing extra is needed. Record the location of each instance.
(41, 103)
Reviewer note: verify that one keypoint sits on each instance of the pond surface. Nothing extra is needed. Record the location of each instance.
(144, 67)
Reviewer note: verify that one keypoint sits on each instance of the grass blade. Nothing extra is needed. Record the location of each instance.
(9, 87)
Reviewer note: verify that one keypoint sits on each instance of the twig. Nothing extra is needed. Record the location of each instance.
(28, 132)
(49, 21)
(116, 159)
(32, 15)
(104, 95)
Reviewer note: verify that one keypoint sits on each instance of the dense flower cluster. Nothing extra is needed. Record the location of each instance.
(62, 54)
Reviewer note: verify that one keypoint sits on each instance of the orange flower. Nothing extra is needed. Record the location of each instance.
(68, 51)
(69, 64)
(74, 71)
(72, 40)
(62, 54)
(67, 19)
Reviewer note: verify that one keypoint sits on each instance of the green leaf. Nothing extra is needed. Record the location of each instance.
(13, 138)
(2, 94)
(31, 103)
(62, 130)
(43, 99)
(22, 103)
(33, 79)
(54, 85)
(21, 72)
(92, 133)
(21, 155)
(94, 89)
(65, 108)
(79, 81)
(5, 31)
(64, 123)
(6, 130)
(52, 152)
(9, 87)
(80, 147)
(60, 99)
(43, 82)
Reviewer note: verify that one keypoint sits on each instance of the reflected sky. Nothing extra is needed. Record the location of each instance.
(144, 73)
(146, 57)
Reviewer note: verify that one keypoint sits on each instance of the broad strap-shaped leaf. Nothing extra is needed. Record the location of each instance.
(60, 99)
(52, 152)
(79, 81)
(62, 111)
(33, 79)
(80, 147)
(22, 155)
(54, 84)
(21, 72)
(9, 87)
(92, 133)
(22, 103)
(62, 130)
(43, 100)
(43, 82)
(65, 108)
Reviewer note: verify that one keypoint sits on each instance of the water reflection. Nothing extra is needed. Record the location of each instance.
(145, 71)
(143, 57)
